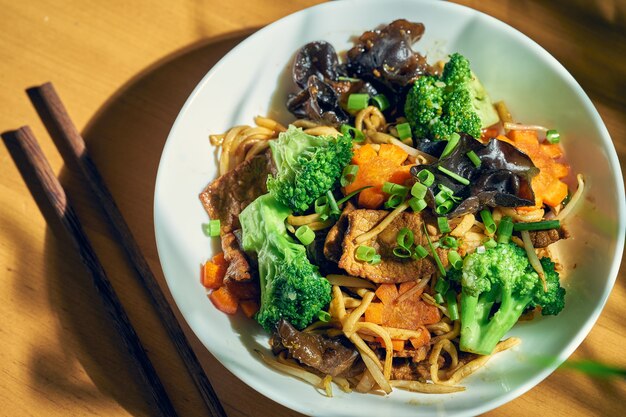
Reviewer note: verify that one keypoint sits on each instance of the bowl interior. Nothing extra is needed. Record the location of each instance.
(254, 79)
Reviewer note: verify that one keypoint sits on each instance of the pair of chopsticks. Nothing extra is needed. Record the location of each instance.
(61, 128)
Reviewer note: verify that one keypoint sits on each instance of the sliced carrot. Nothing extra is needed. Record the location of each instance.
(374, 313)
(397, 345)
(401, 175)
(219, 259)
(387, 293)
(249, 307)
(364, 154)
(224, 300)
(410, 313)
(392, 153)
(553, 150)
(405, 286)
(371, 198)
(554, 193)
(212, 275)
(422, 340)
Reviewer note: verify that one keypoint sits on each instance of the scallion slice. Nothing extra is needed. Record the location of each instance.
(420, 252)
(453, 140)
(542, 225)
(455, 259)
(419, 190)
(375, 260)
(394, 201)
(442, 223)
(474, 158)
(505, 229)
(404, 130)
(323, 316)
(426, 177)
(364, 253)
(490, 225)
(380, 101)
(441, 197)
(449, 242)
(405, 238)
(490, 243)
(305, 235)
(212, 228)
(348, 175)
(332, 203)
(453, 175)
(352, 194)
(552, 136)
(442, 285)
(355, 134)
(453, 307)
(442, 270)
(417, 204)
(395, 189)
(445, 207)
(438, 298)
(401, 252)
(358, 101)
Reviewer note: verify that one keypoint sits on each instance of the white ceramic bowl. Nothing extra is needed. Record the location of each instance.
(253, 79)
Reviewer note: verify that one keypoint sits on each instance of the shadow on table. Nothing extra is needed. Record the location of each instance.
(125, 139)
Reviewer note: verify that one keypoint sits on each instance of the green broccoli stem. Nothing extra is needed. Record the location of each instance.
(480, 333)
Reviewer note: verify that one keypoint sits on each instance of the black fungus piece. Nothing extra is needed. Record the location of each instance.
(315, 58)
(318, 102)
(386, 57)
(503, 178)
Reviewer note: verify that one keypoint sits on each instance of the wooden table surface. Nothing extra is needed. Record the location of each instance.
(124, 69)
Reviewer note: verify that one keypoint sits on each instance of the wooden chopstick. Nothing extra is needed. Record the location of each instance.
(61, 128)
(66, 214)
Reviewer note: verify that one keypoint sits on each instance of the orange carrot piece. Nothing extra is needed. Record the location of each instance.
(219, 259)
(371, 198)
(387, 293)
(410, 314)
(553, 150)
(364, 154)
(224, 300)
(422, 340)
(249, 307)
(212, 275)
(374, 313)
(393, 153)
(405, 286)
(396, 344)
(401, 175)
(554, 193)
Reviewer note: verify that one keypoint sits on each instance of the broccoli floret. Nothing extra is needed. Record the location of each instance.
(291, 287)
(497, 286)
(456, 102)
(307, 166)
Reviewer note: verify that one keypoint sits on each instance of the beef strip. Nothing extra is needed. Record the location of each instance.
(333, 246)
(226, 197)
(544, 238)
(391, 269)
(329, 356)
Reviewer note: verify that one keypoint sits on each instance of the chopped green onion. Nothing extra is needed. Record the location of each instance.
(446, 190)
(375, 260)
(348, 175)
(404, 130)
(490, 243)
(449, 242)
(452, 175)
(380, 101)
(212, 228)
(542, 225)
(419, 190)
(474, 158)
(364, 253)
(405, 238)
(358, 101)
(401, 252)
(332, 203)
(417, 204)
(445, 207)
(442, 285)
(321, 204)
(453, 140)
(490, 225)
(355, 134)
(453, 308)
(394, 201)
(438, 298)
(442, 270)
(552, 136)
(352, 194)
(305, 235)
(352, 80)
(455, 259)
(441, 197)
(420, 252)
(505, 229)
(426, 177)
(442, 223)
(395, 189)
(323, 316)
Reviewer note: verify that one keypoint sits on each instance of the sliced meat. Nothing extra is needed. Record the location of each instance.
(333, 246)
(544, 238)
(391, 269)
(328, 356)
(226, 197)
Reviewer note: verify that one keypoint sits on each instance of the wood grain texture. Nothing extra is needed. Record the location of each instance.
(124, 69)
